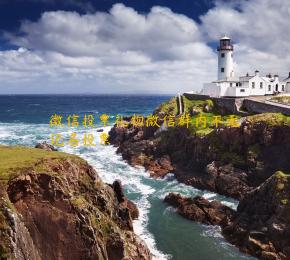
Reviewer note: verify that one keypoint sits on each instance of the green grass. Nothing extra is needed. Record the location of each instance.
(197, 106)
(210, 118)
(79, 201)
(280, 174)
(169, 107)
(282, 99)
(17, 157)
(270, 119)
(284, 201)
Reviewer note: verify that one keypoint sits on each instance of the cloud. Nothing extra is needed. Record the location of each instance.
(260, 29)
(125, 51)
(158, 52)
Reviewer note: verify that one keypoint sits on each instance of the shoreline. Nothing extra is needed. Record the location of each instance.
(236, 177)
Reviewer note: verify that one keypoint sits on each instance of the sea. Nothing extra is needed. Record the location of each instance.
(25, 120)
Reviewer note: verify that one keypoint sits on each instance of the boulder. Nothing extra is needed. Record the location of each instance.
(45, 146)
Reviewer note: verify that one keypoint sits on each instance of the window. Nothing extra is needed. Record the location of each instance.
(261, 84)
(269, 88)
(222, 55)
(231, 84)
(242, 90)
(222, 69)
(253, 84)
(240, 84)
(283, 88)
(237, 84)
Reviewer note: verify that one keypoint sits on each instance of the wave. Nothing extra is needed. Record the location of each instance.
(139, 187)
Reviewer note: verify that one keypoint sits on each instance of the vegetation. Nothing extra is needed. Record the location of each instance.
(204, 110)
(169, 107)
(282, 185)
(280, 174)
(17, 157)
(190, 105)
(254, 150)
(284, 201)
(281, 99)
(270, 119)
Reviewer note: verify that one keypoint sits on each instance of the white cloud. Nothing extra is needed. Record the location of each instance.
(159, 52)
(260, 29)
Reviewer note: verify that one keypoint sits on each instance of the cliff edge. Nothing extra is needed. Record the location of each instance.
(55, 206)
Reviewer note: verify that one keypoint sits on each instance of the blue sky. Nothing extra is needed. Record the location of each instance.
(135, 46)
(13, 11)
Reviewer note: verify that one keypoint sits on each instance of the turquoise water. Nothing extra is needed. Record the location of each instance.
(168, 235)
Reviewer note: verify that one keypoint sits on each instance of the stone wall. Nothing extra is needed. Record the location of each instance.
(226, 105)
(233, 105)
(253, 106)
(196, 96)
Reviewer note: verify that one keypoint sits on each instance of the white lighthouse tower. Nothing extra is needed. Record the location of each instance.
(225, 59)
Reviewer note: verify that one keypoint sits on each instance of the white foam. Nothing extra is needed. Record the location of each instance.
(110, 166)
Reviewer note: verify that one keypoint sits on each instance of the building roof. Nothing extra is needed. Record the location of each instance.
(267, 79)
(225, 38)
(245, 78)
(231, 79)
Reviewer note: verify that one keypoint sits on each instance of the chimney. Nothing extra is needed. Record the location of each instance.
(247, 75)
(269, 75)
(289, 75)
(257, 73)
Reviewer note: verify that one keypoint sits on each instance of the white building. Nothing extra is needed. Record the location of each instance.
(287, 83)
(228, 85)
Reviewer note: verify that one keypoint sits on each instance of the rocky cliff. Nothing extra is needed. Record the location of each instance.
(261, 224)
(228, 160)
(55, 206)
(238, 162)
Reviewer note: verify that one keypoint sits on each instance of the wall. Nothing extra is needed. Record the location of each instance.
(196, 96)
(227, 63)
(226, 105)
(232, 105)
(257, 91)
(211, 89)
(259, 107)
(223, 105)
(288, 87)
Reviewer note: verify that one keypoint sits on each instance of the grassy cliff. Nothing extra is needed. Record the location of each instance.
(54, 204)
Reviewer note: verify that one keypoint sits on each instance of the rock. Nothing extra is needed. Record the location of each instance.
(124, 202)
(45, 146)
(194, 112)
(133, 209)
(117, 187)
(65, 210)
(200, 209)
(207, 109)
(264, 216)
(259, 227)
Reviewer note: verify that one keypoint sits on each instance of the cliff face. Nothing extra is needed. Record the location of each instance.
(261, 224)
(229, 161)
(56, 207)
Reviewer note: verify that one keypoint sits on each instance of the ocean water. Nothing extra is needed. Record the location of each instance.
(24, 120)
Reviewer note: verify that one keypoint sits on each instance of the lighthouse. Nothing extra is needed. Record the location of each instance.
(225, 59)
(229, 85)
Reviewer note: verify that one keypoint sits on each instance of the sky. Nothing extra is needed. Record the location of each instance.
(135, 46)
